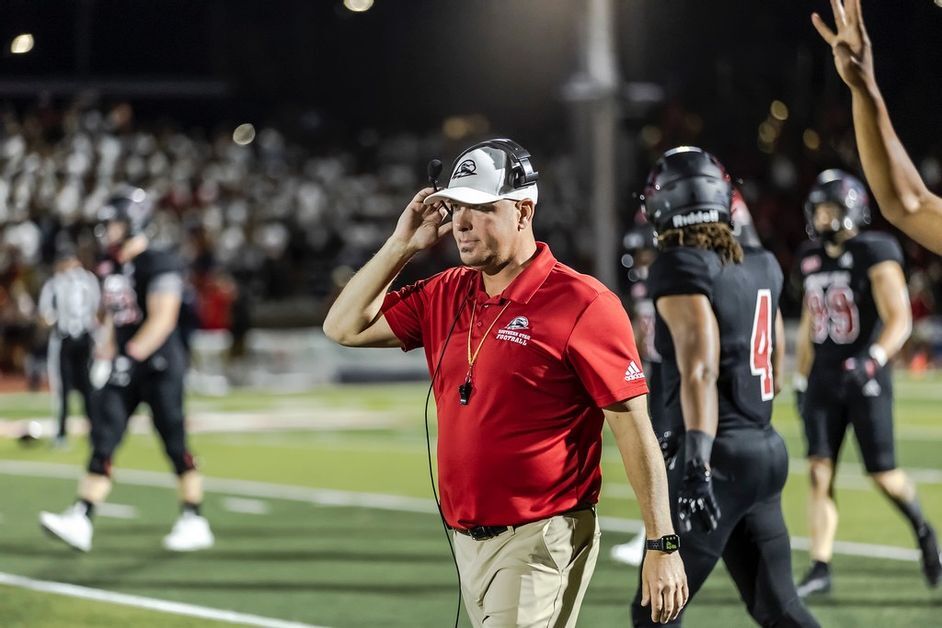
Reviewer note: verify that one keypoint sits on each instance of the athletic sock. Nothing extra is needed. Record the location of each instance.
(87, 506)
(188, 507)
(913, 513)
(819, 569)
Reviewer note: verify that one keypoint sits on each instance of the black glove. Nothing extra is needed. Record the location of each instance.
(122, 371)
(696, 504)
(861, 369)
(669, 441)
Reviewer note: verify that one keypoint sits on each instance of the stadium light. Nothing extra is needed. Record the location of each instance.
(358, 6)
(779, 110)
(244, 134)
(651, 135)
(811, 138)
(767, 132)
(21, 44)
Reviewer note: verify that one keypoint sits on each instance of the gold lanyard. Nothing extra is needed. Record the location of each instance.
(465, 390)
(473, 357)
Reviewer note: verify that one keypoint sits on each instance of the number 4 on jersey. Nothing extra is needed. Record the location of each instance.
(760, 357)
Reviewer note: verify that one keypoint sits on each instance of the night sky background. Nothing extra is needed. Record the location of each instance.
(412, 63)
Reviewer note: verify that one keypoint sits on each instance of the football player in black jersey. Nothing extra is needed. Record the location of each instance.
(716, 330)
(141, 293)
(855, 317)
(902, 195)
(641, 244)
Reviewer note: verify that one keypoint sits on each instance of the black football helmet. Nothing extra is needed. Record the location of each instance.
(687, 186)
(129, 205)
(845, 191)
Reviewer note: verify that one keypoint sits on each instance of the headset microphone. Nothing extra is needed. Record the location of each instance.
(434, 170)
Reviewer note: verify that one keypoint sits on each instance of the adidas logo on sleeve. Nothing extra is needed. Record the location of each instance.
(634, 372)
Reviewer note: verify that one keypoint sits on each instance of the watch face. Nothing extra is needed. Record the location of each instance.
(671, 543)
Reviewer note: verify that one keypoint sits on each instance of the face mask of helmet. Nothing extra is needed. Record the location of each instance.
(130, 211)
(834, 229)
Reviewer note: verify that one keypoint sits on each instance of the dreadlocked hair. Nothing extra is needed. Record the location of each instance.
(716, 237)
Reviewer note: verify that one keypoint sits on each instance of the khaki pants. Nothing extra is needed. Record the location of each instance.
(531, 576)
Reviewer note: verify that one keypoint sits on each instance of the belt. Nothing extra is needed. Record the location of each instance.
(483, 533)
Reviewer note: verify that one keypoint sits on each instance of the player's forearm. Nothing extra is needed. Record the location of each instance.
(644, 465)
(896, 330)
(804, 359)
(359, 303)
(804, 350)
(892, 301)
(149, 338)
(104, 340)
(698, 398)
(894, 179)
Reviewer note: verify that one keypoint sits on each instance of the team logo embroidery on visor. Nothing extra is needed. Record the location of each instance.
(465, 169)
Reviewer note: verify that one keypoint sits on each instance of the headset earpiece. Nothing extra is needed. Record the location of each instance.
(522, 173)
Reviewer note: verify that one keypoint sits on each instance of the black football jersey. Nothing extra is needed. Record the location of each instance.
(641, 308)
(124, 289)
(839, 297)
(745, 299)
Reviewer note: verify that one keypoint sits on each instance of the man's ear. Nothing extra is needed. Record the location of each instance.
(525, 211)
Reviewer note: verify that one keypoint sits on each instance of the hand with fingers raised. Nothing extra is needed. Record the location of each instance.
(850, 43)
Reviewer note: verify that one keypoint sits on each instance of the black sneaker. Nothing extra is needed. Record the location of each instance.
(931, 558)
(817, 580)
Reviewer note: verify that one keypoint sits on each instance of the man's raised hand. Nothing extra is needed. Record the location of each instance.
(853, 55)
(420, 225)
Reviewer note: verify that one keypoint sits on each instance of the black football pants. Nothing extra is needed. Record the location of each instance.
(750, 465)
(157, 382)
(73, 357)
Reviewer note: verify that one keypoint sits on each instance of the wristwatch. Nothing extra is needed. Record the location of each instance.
(669, 543)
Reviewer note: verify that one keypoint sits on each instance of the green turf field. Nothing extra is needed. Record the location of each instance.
(339, 565)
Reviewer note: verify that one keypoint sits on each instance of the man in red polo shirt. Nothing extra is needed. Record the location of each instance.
(527, 358)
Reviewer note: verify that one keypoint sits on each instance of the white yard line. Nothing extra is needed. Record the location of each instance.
(149, 603)
(116, 511)
(246, 506)
(329, 497)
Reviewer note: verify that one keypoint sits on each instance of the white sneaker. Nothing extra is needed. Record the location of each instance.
(189, 534)
(632, 552)
(72, 527)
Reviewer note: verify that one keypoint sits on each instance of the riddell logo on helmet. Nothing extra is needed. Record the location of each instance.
(696, 218)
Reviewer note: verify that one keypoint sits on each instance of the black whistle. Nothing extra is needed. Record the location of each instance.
(464, 393)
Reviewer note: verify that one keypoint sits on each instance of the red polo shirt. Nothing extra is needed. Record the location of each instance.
(528, 444)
